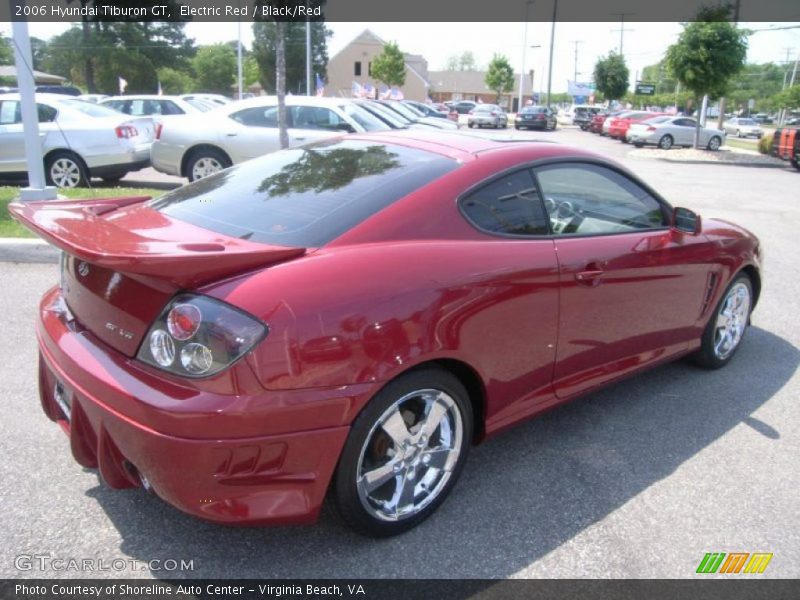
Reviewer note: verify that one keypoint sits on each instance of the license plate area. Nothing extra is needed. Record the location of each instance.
(63, 399)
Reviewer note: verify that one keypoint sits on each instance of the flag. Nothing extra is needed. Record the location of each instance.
(369, 90)
(320, 86)
(160, 92)
(356, 89)
(397, 94)
(384, 92)
(122, 85)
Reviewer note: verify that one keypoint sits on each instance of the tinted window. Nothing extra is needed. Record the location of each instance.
(168, 107)
(315, 117)
(118, 105)
(684, 122)
(590, 199)
(304, 197)
(368, 121)
(509, 205)
(47, 114)
(257, 117)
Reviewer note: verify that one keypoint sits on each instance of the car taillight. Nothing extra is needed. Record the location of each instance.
(472, 112)
(493, 113)
(159, 127)
(541, 116)
(126, 131)
(198, 336)
(650, 128)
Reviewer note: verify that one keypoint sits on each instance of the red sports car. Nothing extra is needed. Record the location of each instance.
(349, 317)
(619, 126)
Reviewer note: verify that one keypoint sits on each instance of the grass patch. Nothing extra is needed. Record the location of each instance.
(9, 228)
(737, 143)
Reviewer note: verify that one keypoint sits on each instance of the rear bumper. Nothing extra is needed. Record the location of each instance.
(536, 124)
(253, 480)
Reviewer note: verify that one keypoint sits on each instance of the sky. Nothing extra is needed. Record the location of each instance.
(643, 43)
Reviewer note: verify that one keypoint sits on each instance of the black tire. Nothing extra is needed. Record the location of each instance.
(517, 127)
(114, 179)
(212, 156)
(666, 141)
(638, 144)
(470, 125)
(65, 169)
(795, 163)
(738, 133)
(714, 143)
(345, 490)
(707, 357)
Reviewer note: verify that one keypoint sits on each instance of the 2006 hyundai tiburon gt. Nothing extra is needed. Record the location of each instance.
(349, 317)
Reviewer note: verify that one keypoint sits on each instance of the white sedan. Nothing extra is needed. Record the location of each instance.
(152, 105)
(198, 146)
(666, 132)
(743, 127)
(79, 140)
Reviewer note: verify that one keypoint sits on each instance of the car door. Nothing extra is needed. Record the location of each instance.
(12, 134)
(251, 132)
(516, 305)
(312, 123)
(631, 288)
(683, 131)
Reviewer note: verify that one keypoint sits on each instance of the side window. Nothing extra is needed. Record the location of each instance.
(314, 117)
(684, 123)
(115, 105)
(257, 117)
(10, 112)
(47, 114)
(588, 199)
(168, 107)
(510, 205)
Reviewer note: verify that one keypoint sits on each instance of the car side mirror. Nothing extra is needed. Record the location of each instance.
(346, 127)
(686, 220)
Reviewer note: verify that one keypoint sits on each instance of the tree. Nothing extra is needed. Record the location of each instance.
(215, 69)
(466, 62)
(389, 66)
(6, 53)
(611, 76)
(452, 63)
(708, 53)
(264, 49)
(174, 81)
(789, 98)
(500, 75)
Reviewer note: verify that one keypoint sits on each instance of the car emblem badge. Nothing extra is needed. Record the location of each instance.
(83, 269)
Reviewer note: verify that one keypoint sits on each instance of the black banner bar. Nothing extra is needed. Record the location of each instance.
(734, 588)
(383, 10)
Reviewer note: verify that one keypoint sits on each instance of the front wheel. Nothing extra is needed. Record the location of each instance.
(665, 143)
(727, 325)
(714, 143)
(404, 453)
(795, 163)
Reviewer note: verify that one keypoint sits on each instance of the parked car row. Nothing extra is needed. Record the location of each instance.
(642, 128)
(193, 135)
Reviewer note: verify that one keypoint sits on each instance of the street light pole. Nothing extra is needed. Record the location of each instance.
(552, 42)
(524, 51)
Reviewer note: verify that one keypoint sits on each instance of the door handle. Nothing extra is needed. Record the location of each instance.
(591, 277)
(231, 134)
(298, 139)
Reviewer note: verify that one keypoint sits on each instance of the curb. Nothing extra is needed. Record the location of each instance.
(24, 250)
(749, 165)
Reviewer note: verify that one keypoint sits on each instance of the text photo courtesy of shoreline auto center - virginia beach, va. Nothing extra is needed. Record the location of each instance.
(391, 300)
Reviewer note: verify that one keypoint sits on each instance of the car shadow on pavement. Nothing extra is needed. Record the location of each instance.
(522, 494)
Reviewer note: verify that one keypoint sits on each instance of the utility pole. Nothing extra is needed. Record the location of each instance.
(622, 28)
(576, 42)
(528, 4)
(721, 117)
(552, 41)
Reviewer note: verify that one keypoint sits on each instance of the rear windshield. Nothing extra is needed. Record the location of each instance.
(304, 197)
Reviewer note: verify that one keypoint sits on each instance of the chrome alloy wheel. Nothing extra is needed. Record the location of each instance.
(65, 173)
(203, 167)
(731, 321)
(409, 455)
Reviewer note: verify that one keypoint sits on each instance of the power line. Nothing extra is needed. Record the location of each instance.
(622, 28)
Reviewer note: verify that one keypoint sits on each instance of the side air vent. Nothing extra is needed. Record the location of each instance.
(710, 287)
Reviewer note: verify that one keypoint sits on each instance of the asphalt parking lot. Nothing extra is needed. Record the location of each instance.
(639, 480)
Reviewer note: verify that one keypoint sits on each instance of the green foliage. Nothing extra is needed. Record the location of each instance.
(389, 66)
(463, 62)
(215, 69)
(611, 76)
(789, 98)
(94, 54)
(250, 71)
(264, 47)
(6, 53)
(765, 143)
(708, 53)
(500, 75)
(174, 81)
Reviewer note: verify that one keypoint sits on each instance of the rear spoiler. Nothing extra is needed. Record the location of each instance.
(154, 245)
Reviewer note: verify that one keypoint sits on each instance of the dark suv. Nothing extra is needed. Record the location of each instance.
(583, 116)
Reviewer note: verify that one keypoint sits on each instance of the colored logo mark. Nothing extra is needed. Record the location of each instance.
(734, 562)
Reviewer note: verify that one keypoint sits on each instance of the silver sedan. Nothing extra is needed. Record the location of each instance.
(79, 140)
(666, 132)
(743, 127)
(487, 115)
(198, 146)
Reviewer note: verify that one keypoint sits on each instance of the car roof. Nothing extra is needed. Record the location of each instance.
(142, 97)
(462, 145)
(41, 97)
